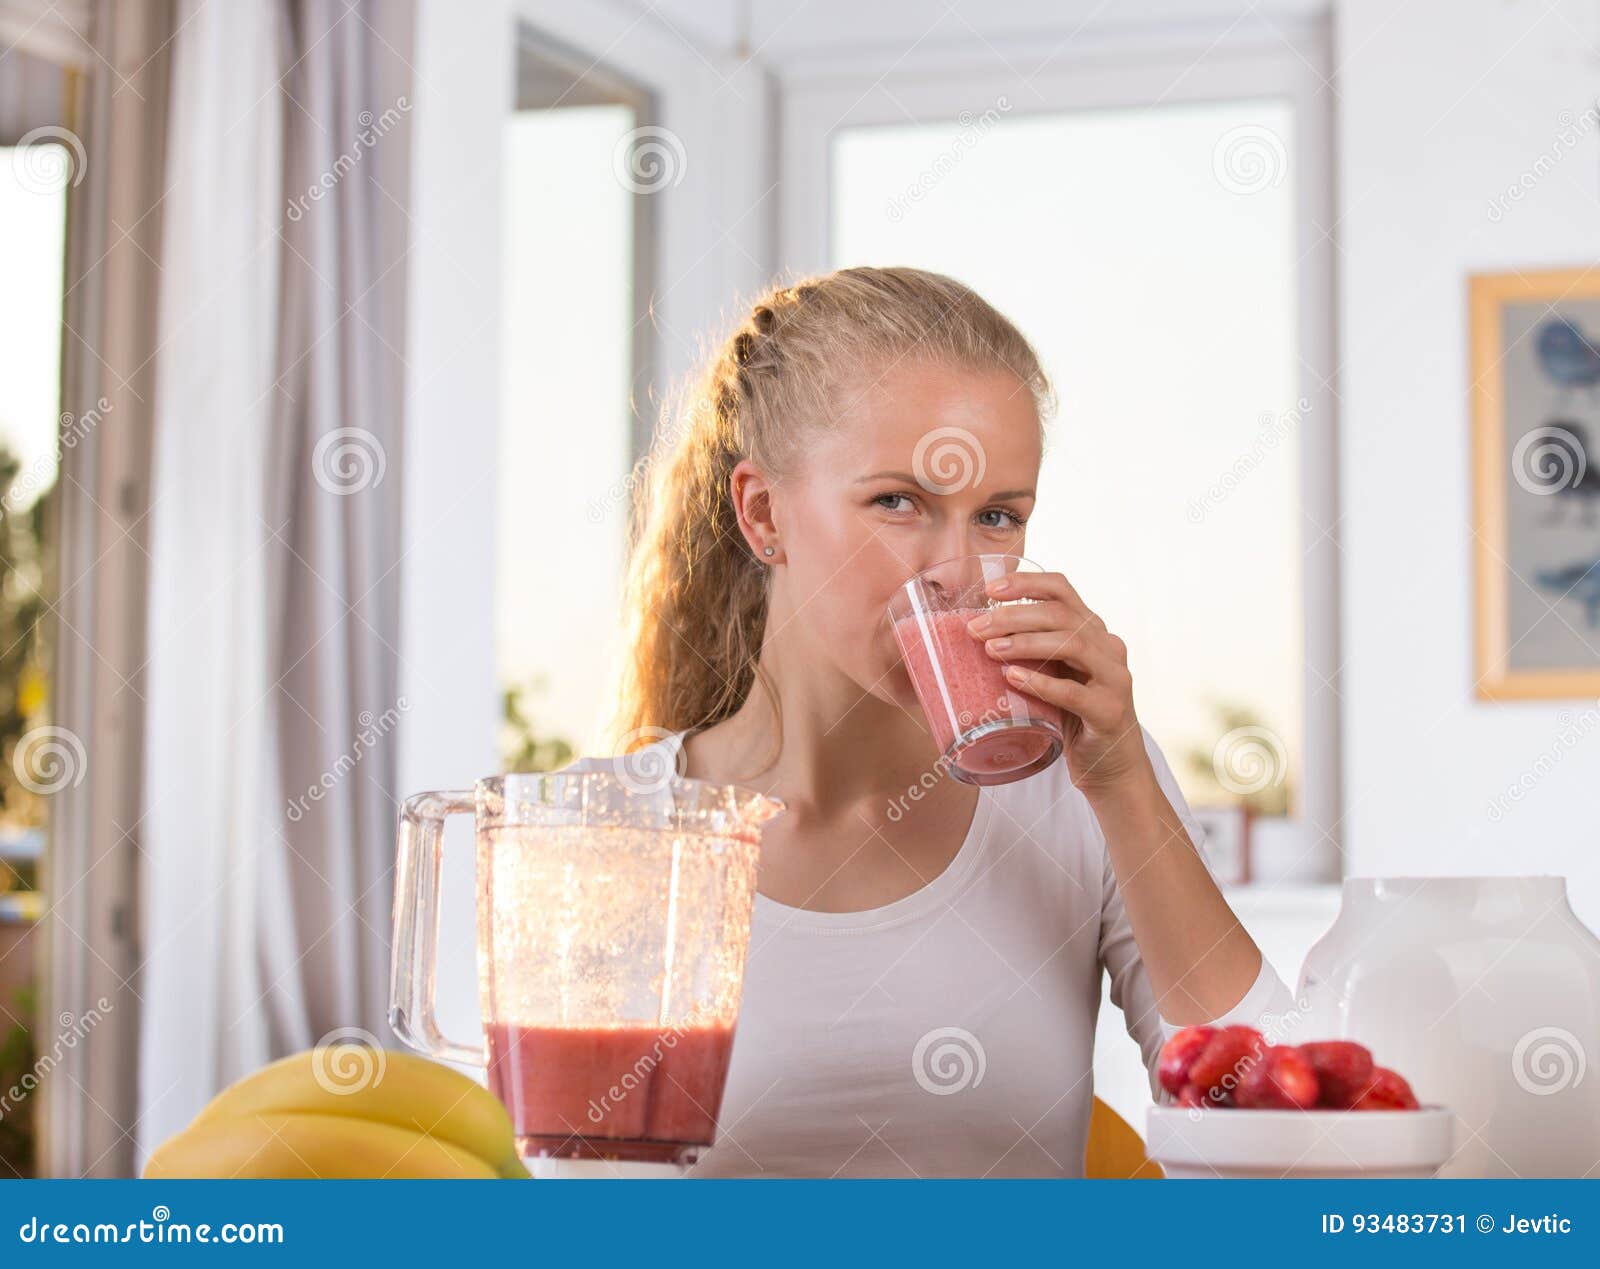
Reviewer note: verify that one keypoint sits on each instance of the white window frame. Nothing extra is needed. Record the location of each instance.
(712, 241)
(824, 96)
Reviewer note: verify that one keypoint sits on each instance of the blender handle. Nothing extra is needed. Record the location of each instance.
(414, 955)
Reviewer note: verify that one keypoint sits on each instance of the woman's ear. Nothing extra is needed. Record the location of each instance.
(751, 493)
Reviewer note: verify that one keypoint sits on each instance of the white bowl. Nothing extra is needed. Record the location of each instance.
(1223, 1141)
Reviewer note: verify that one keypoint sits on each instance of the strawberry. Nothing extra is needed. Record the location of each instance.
(1344, 1070)
(1281, 1079)
(1179, 1053)
(1387, 1091)
(1228, 1054)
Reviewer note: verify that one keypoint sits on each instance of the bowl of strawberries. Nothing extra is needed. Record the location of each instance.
(1234, 1105)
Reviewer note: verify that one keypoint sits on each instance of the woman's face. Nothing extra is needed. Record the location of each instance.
(924, 463)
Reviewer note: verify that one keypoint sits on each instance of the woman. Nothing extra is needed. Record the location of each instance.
(925, 967)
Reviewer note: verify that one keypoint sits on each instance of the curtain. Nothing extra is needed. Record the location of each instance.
(335, 486)
(55, 32)
(116, 114)
(273, 676)
(33, 96)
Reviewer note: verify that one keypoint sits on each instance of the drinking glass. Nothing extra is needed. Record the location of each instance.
(987, 730)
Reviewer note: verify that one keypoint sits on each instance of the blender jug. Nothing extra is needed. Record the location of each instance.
(613, 919)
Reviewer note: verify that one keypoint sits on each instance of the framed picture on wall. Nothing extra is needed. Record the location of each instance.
(1227, 841)
(1535, 350)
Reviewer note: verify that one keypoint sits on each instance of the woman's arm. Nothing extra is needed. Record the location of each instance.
(1200, 960)
(1268, 1005)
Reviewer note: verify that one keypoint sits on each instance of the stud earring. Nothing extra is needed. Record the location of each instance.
(767, 551)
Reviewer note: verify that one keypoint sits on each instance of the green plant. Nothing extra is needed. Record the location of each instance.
(1248, 753)
(17, 1058)
(24, 654)
(522, 747)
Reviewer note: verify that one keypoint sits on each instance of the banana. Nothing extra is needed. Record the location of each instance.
(307, 1147)
(349, 1082)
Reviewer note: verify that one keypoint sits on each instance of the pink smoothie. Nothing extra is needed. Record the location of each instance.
(629, 1092)
(961, 688)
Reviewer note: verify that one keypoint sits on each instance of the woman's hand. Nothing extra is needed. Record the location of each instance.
(1104, 744)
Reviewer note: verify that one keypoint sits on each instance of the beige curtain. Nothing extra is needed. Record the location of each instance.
(116, 111)
(335, 489)
(210, 755)
(273, 703)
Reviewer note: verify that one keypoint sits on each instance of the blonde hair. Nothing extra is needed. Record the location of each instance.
(695, 596)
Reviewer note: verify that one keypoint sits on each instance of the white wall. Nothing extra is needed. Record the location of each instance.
(1444, 105)
(790, 35)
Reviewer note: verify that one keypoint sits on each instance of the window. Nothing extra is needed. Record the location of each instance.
(1157, 233)
(569, 361)
(37, 758)
(1161, 299)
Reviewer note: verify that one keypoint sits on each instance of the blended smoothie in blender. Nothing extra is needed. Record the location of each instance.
(642, 1093)
(611, 961)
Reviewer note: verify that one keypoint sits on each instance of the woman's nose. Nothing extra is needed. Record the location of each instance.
(936, 550)
(957, 540)
(952, 544)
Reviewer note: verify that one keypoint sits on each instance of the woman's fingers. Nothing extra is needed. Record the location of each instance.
(1038, 586)
(1090, 652)
(1092, 681)
(1100, 707)
(1053, 604)
(1050, 614)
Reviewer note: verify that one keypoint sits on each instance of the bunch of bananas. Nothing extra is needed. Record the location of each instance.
(346, 1111)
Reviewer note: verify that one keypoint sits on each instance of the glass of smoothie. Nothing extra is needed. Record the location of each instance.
(988, 731)
(613, 919)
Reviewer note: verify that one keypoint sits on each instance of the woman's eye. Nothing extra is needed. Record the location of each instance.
(884, 501)
(1007, 519)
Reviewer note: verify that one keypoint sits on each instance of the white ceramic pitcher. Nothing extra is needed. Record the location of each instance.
(1484, 992)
